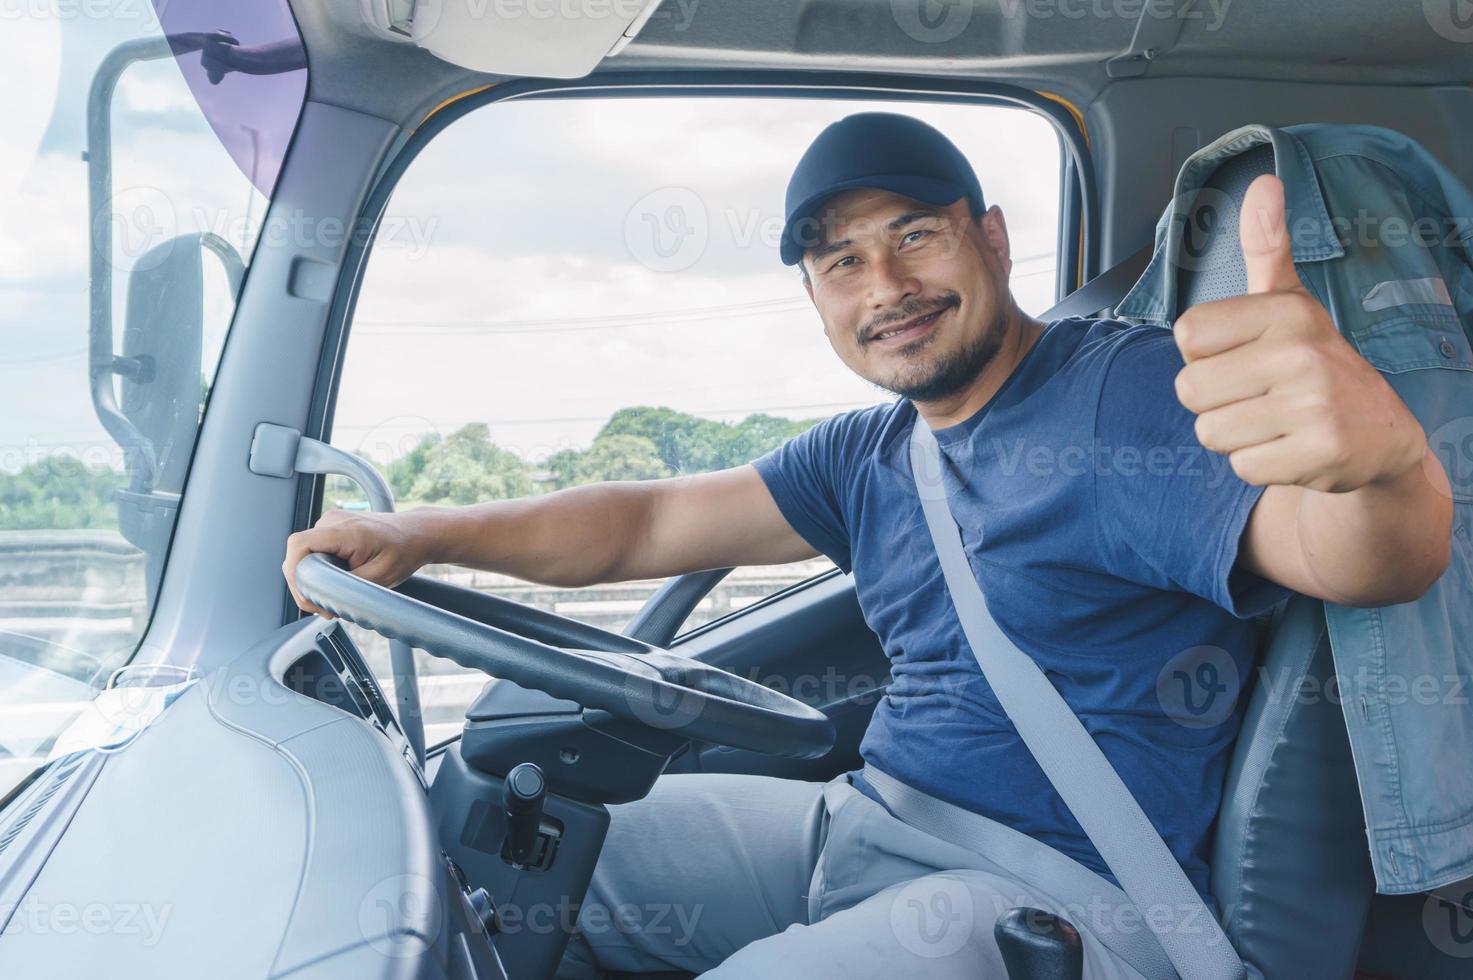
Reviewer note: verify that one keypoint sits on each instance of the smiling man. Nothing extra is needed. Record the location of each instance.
(1129, 497)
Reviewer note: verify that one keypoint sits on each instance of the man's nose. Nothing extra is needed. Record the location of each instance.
(891, 283)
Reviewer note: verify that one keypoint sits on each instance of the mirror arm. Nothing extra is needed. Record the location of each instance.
(98, 156)
(136, 369)
(103, 363)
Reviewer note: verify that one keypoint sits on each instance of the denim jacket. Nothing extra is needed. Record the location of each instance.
(1382, 234)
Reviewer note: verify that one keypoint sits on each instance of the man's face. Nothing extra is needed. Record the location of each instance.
(913, 296)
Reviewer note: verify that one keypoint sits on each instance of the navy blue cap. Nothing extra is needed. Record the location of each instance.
(881, 150)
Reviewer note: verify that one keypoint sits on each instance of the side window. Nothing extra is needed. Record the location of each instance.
(140, 148)
(571, 291)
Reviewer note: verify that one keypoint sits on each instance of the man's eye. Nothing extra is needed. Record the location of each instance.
(913, 236)
(845, 262)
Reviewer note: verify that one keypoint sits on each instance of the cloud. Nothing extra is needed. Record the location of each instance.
(530, 309)
(167, 180)
(504, 286)
(30, 49)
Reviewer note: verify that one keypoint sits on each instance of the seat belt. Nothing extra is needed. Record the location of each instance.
(1064, 885)
(1104, 290)
(1091, 788)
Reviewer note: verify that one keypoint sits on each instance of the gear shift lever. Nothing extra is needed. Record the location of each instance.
(522, 800)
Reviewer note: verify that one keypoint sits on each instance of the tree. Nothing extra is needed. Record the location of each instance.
(688, 444)
(59, 492)
(404, 470)
(759, 434)
(682, 441)
(616, 457)
(467, 467)
(641, 442)
(563, 465)
(637, 443)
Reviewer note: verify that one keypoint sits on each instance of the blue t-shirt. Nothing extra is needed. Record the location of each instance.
(1104, 537)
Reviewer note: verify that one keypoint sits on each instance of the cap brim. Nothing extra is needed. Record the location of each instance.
(927, 190)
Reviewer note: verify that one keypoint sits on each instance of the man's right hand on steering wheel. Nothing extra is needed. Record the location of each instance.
(383, 548)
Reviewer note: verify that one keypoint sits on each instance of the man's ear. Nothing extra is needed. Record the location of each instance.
(807, 282)
(995, 232)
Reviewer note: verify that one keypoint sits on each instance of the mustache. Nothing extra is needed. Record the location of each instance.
(909, 310)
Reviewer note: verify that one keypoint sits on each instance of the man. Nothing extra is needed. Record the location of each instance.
(1112, 547)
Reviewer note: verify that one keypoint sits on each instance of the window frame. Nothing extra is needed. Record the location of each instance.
(1078, 211)
(719, 622)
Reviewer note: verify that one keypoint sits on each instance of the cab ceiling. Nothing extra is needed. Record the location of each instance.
(1072, 47)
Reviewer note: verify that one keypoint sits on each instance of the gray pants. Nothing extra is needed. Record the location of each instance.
(750, 876)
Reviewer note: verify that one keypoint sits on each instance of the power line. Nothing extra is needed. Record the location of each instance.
(646, 396)
(583, 323)
(699, 413)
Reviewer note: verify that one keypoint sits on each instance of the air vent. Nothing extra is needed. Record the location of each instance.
(55, 780)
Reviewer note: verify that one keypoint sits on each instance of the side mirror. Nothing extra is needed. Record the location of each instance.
(155, 416)
(160, 389)
(159, 373)
(153, 410)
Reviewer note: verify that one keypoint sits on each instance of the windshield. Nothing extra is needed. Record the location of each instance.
(134, 174)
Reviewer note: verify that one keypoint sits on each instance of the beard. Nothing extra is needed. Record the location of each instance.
(950, 372)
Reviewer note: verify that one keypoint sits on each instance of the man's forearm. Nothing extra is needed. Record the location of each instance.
(1381, 544)
(574, 537)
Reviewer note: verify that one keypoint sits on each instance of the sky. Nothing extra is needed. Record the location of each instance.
(170, 176)
(545, 263)
(541, 264)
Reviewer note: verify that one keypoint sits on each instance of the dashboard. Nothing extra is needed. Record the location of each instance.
(334, 672)
(271, 822)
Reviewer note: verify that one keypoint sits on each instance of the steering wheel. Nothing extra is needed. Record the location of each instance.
(567, 659)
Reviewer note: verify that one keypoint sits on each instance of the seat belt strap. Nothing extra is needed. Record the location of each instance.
(1093, 903)
(1104, 290)
(1091, 788)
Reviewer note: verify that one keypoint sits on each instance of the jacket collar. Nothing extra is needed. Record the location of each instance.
(1153, 298)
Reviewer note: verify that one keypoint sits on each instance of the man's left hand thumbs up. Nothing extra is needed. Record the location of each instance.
(1273, 384)
(1268, 251)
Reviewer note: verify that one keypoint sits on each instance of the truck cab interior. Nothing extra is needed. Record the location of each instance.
(228, 786)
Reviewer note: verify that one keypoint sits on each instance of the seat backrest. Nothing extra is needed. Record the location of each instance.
(1290, 866)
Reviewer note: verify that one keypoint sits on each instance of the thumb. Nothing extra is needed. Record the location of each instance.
(1268, 253)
